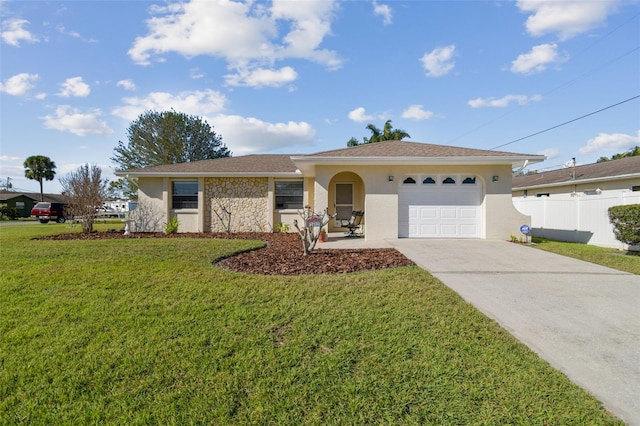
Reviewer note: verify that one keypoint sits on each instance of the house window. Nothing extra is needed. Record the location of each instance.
(449, 180)
(469, 180)
(429, 180)
(409, 180)
(184, 194)
(19, 205)
(289, 195)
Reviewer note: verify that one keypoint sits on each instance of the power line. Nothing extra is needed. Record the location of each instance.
(544, 94)
(567, 122)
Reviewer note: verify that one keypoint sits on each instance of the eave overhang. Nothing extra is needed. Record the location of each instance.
(307, 164)
(192, 175)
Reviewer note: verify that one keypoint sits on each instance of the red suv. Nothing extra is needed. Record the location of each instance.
(45, 212)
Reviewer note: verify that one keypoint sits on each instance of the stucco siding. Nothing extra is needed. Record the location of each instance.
(501, 218)
(151, 213)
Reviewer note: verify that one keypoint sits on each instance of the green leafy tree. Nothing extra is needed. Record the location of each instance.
(85, 190)
(122, 188)
(388, 133)
(633, 152)
(168, 137)
(39, 167)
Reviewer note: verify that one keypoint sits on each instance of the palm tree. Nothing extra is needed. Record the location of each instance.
(39, 167)
(388, 133)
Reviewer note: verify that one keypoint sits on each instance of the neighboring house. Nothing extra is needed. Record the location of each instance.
(23, 202)
(571, 204)
(406, 189)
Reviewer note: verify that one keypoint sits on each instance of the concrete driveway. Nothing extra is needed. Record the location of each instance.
(582, 318)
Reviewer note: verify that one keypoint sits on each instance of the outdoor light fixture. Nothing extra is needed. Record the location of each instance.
(390, 178)
(495, 179)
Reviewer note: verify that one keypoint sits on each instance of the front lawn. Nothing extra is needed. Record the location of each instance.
(148, 331)
(612, 258)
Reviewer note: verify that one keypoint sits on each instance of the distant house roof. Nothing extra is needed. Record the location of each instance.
(623, 168)
(386, 152)
(51, 198)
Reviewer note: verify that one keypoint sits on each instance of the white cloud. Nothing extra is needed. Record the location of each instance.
(75, 87)
(566, 18)
(13, 32)
(438, 62)
(19, 84)
(127, 84)
(610, 142)
(262, 77)
(537, 59)
(68, 119)
(248, 135)
(384, 11)
(360, 115)
(11, 159)
(417, 112)
(193, 102)
(196, 73)
(504, 101)
(244, 34)
(550, 153)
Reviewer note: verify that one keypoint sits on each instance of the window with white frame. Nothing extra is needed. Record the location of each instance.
(184, 194)
(289, 194)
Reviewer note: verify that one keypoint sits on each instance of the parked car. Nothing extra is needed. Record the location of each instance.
(45, 212)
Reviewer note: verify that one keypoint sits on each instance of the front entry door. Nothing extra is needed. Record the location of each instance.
(344, 201)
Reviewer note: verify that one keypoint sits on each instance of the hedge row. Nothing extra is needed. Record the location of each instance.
(626, 223)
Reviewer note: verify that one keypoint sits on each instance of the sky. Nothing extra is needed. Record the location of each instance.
(304, 76)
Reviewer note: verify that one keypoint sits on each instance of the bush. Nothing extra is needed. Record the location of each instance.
(626, 223)
(8, 212)
(172, 226)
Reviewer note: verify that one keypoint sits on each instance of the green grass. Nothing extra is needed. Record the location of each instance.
(612, 258)
(142, 331)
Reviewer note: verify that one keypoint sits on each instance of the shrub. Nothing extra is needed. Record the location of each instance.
(626, 223)
(172, 226)
(8, 212)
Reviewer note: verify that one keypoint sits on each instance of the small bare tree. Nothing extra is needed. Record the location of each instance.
(313, 224)
(224, 211)
(85, 190)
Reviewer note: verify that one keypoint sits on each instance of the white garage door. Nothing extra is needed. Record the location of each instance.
(440, 207)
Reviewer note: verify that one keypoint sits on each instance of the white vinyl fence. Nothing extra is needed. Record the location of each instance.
(579, 219)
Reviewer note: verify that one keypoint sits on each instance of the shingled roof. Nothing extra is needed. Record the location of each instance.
(266, 164)
(51, 198)
(410, 149)
(622, 168)
(375, 153)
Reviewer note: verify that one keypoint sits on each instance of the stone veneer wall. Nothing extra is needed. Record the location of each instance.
(245, 198)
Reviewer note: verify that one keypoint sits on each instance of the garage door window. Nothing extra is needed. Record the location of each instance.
(469, 180)
(429, 181)
(409, 180)
(449, 180)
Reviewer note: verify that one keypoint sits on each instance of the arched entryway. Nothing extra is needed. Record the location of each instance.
(346, 193)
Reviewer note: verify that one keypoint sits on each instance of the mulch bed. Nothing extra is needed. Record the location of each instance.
(282, 256)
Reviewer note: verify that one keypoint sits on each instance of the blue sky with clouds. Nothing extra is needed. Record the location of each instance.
(304, 76)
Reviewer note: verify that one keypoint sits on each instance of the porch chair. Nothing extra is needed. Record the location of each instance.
(353, 223)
